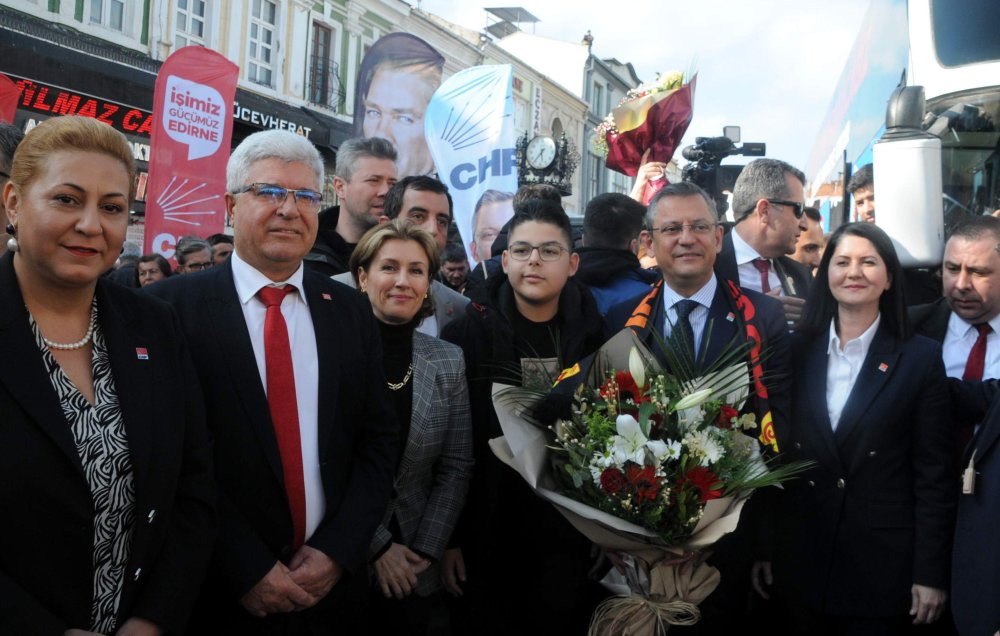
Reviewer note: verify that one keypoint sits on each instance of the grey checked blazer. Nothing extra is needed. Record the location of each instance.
(433, 476)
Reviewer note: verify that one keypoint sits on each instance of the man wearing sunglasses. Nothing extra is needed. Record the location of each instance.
(768, 202)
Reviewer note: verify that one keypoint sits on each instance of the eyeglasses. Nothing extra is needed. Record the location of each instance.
(197, 267)
(676, 229)
(305, 200)
(546, 251)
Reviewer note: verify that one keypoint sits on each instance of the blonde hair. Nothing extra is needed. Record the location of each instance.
(396, 230)
(69, 132)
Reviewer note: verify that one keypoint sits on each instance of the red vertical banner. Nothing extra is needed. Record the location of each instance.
(10, 95)
(192, 133)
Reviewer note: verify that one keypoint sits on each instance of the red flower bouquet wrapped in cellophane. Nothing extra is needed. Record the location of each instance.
(647, 464)
(650, 118)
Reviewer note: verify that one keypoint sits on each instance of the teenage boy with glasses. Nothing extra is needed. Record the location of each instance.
(512, 550)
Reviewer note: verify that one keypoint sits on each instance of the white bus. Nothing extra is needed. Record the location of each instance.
(952, 50)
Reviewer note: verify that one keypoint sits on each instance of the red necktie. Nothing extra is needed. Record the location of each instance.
(764, 267)
(977, 357)
(282, 404)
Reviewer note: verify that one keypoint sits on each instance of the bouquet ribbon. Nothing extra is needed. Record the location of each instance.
(675, 591)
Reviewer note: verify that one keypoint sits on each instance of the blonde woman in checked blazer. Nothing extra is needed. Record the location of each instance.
(393, 265)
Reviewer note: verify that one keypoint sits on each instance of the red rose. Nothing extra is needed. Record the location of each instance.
(613, 481)
(709, 486)
(726, 415)
(645, 482)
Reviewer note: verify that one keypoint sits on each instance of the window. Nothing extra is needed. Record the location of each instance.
(108, 13)
(597, 100)
(595, 176)
(190, 27)
(324, 73)
(263, 18)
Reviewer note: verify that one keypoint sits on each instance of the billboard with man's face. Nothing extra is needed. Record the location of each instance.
(398, 76)
(461, 132)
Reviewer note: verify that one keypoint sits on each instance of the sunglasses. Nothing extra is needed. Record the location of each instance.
(798, 209)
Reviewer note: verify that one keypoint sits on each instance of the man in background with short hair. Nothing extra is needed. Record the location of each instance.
(454, 267)
(809, 248)
(193, 254)
(222, 247)
(425, 202)
(862, 189)
(609, 264)
(366, 169)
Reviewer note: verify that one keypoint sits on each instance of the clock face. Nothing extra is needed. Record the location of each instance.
(541, 152)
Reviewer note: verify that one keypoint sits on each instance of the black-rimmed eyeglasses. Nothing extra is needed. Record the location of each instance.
(520, 251)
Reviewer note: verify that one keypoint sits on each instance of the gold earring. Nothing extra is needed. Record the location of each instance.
(364, 290)
(426, 295)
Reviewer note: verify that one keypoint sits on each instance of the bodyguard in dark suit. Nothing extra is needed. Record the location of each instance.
(290, 362)
(714, 315)
(975, 572)
(967, 316)
(865, 534)
(768, 201)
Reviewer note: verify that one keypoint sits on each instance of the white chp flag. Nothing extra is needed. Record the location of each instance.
(469, 127)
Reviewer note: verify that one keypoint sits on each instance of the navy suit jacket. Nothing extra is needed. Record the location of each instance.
(975, 574)
(46, 564)
(874, 514)
(722, 330)
(357, 432)
(788, 269)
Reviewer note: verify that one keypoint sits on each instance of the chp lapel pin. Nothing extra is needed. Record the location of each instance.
(326, 296)
(141, 353)
(883, 367)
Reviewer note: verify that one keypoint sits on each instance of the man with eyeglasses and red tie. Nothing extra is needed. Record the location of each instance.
(290, 364)
(768, 205)
(702, 315)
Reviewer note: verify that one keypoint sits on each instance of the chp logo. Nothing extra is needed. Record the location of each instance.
(194, 115)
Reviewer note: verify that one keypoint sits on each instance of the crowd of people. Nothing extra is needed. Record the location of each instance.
(290, 433)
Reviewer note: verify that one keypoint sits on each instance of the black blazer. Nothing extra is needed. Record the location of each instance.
(788, 269)
(874, 515)
(46, 570)
(357, 433)
(931, 320)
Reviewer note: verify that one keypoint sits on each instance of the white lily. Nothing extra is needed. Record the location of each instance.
(630, 442)
(637, 367)
(694, 399)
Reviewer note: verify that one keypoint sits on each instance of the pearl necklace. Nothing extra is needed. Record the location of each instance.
(395, 386)
(79, 344)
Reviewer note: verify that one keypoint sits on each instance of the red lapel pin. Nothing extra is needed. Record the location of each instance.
(327, 297)
(883, 367)
(141, 353)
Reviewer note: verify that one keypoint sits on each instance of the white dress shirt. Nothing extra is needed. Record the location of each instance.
(749, 274)
(698, 316)
(305, 366)
(843, 367)
(958, 343)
